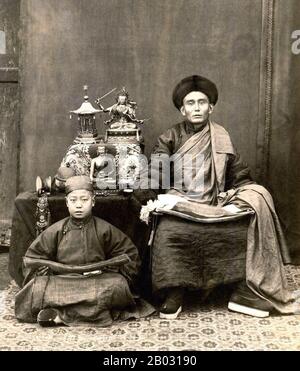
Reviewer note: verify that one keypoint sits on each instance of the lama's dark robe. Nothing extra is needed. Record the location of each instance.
(176, 255)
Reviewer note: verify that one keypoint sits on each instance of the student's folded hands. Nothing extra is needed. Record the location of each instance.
(44, 271)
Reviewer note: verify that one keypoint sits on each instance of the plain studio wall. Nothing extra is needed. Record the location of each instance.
(146, 46)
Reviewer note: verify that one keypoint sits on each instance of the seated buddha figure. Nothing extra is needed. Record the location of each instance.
(102, 174)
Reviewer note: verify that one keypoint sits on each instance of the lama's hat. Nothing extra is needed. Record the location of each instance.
(194, 83)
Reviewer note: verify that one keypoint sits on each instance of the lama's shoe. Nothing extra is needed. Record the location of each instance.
(172, 306)
(243, 300)
(48, 318)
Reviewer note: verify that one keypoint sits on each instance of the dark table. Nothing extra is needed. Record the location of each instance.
(120, 210)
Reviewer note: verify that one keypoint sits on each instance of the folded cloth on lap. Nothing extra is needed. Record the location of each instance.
(203, 213)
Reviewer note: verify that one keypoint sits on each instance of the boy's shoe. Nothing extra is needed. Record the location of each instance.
(48, 318)
(243, 300)
(172, 306)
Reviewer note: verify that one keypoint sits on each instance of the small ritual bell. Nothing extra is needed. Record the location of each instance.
(87, 131)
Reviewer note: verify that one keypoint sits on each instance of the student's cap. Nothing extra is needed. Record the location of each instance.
(78, 182)
(194, 83)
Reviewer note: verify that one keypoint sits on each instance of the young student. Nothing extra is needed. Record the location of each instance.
(53, 294)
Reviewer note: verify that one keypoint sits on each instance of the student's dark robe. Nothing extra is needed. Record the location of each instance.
(95, 300)
(177, 256)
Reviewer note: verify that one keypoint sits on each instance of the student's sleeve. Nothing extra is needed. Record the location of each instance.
(117, 243)
(43, 247)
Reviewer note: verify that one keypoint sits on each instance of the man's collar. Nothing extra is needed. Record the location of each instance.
(192, 129)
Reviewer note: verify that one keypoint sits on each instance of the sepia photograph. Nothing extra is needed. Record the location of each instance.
(149, 178)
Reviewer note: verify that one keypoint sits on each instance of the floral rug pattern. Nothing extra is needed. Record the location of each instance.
(206, 326)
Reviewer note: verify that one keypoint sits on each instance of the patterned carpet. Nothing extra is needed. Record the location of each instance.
(206, 326)
(4, 276)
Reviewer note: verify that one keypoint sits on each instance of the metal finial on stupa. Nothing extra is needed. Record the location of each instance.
(85, 88)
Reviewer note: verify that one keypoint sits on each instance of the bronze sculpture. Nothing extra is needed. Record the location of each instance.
(122, 113)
